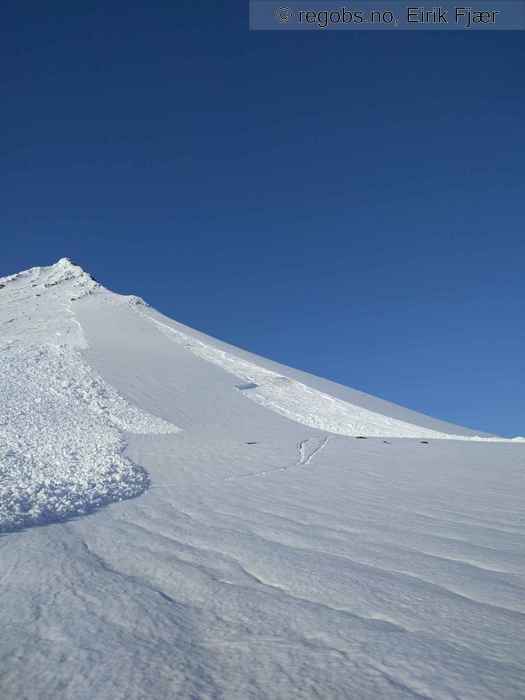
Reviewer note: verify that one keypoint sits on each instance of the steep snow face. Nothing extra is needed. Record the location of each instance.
(61, 425)
(297, 401)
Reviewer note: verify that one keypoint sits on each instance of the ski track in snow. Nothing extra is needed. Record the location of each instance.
(306, 456)
(307, 450)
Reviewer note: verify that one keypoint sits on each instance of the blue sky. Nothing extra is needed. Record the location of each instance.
(347, 203)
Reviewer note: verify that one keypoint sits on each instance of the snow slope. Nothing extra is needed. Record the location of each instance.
(60, 423)
(268, 552)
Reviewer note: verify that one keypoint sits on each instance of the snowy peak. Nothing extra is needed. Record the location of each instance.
(67, 264)
(65, 271)
(42, 278)
(61, 424)
(36, 304)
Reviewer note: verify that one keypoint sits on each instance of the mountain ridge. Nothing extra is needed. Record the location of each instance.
(66, 271)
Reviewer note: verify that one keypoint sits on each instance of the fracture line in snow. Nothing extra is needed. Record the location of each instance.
(301, 403)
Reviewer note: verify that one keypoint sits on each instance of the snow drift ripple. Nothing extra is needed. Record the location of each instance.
(61, 438)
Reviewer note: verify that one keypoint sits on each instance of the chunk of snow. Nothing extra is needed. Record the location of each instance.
(61, 438)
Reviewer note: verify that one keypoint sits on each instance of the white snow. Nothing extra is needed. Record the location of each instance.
(301, 403)
(61, 425)
(60, 438)
(269, 554)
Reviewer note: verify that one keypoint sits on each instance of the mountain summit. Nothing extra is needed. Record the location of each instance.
(181, 518)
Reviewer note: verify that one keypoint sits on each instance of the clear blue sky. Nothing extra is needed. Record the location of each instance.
(348, 203)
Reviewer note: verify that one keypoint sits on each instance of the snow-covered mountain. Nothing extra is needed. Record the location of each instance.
(183, 519)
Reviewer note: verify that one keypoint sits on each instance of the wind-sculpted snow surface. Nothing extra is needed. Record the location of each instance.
(275, 556)
(60, 437)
